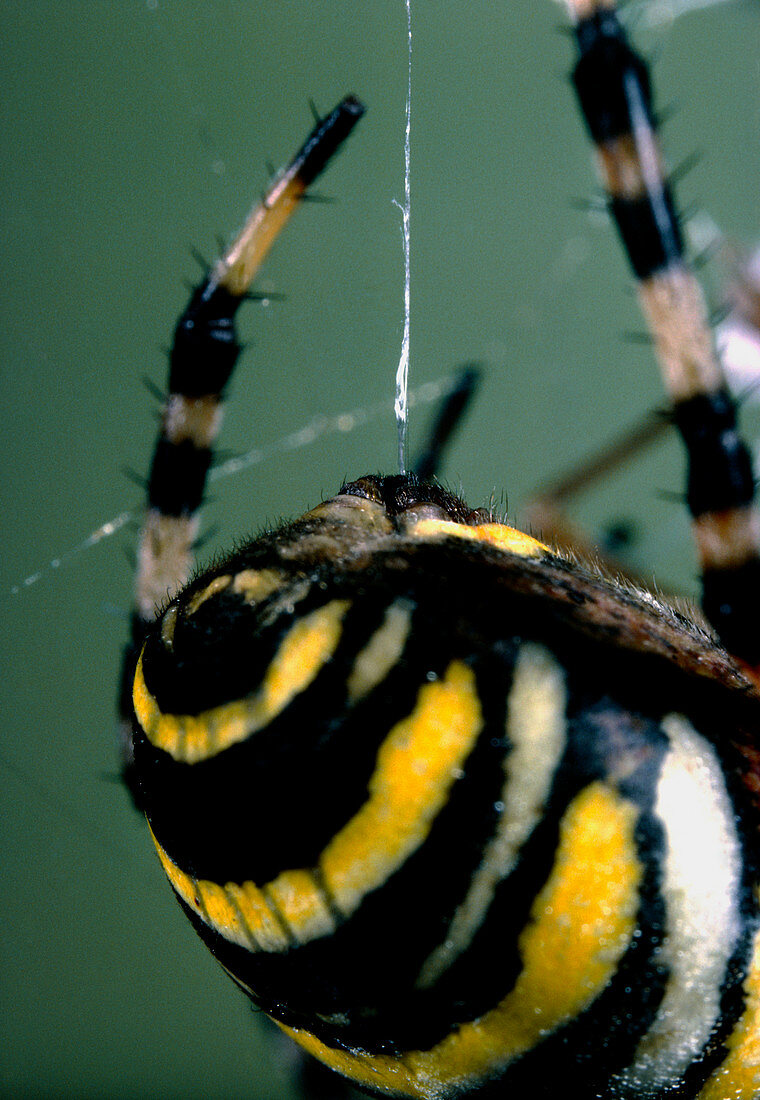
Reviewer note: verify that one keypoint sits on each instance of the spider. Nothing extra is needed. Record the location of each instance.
(458, 813)
(476, 459)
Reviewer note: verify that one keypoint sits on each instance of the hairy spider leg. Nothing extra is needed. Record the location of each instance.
(613, 86)
(204, 352)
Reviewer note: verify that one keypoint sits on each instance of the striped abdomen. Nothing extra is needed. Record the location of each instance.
(451, 834)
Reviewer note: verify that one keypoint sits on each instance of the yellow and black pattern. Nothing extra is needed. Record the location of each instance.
(203, 355)
(461, 816)
(453, 837)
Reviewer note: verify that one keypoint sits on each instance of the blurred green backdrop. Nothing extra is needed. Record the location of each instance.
(132, 131)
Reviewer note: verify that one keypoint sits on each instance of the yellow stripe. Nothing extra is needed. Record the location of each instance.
(495, 534)
(738, 1077)
(381, 652)
(264, 925)
(218, 584)
(289, 910)
(241, 914)
(417, 764)
(581, 924)
(305, 649)
(219, 910)
(537, 733)
(254, 585)
(302, 904)
(168, 626)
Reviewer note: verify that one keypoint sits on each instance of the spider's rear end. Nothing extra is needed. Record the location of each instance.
(460, 815)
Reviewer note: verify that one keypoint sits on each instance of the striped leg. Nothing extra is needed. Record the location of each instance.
(612, 83)
(203, 356)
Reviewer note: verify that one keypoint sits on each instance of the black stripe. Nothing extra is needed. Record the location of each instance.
(720, 468)
(612, 83)
(220, 652)
(649, 230)
(326, 137)
(178, 477)
(275, 800)
(731, 601)
(607, 62)
(205, 347)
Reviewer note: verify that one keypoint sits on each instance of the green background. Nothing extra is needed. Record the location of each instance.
(132, 131)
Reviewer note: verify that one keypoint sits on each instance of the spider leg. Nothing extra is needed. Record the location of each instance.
(203, 356)
(446, 421)
(613, 87)
(545, 511)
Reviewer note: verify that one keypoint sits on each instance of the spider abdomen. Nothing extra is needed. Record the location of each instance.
(451, 811)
